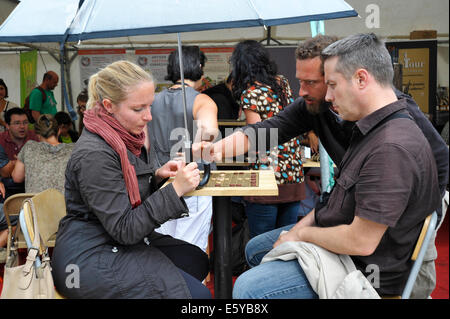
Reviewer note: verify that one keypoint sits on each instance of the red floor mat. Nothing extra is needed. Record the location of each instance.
(442, 266)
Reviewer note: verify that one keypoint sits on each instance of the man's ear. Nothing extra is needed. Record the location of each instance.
(362, 78)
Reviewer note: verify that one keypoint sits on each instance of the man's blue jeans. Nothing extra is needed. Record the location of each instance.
(272, 280)
(266, 217)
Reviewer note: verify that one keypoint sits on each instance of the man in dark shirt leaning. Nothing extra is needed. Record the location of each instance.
(311, 112)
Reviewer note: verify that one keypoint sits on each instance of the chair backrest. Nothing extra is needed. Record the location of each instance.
(13, 204)
(428, 228)
(49, 207)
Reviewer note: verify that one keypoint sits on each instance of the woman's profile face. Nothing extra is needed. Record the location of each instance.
(2, 92)
(134, 112)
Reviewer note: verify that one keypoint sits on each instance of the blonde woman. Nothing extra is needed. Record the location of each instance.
(114, 204)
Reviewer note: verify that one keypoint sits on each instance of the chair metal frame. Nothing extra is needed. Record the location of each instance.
(11, 207)
(429, 227)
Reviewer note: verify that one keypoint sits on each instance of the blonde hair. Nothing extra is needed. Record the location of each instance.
(115, 81)
(46, 126)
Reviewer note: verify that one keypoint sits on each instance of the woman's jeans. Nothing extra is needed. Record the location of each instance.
(274, 279)
(266, 217)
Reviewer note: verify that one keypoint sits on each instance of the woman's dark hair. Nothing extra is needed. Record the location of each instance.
(83, 96)
(2, 83)
(250, 62)
(46, 126)
(193, 63)
(63, 118)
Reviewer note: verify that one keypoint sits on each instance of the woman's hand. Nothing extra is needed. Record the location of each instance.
(169, 169)
(187, 178)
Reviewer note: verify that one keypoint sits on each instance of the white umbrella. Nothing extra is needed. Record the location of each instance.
(114, 18)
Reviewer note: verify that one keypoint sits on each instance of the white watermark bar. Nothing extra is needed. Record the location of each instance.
(261, 147)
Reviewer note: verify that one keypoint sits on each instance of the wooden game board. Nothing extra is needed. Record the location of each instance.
(237, 183)
(233, 179)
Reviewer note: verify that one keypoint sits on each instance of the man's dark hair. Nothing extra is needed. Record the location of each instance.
(193, 63)
(11, 112)
(313, 47)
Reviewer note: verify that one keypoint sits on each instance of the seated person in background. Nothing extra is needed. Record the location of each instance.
(42, 164)
(386, 187)
(66, 133)
(168, 120)
(114, 204)
(12, 141)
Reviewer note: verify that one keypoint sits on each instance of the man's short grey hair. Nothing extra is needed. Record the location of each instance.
(364, 51)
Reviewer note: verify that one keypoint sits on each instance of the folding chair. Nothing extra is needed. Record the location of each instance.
(49, 207)
(429, 227)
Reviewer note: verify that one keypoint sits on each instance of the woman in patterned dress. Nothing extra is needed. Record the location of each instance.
(262, 93)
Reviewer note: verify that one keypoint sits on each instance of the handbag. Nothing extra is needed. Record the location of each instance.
(32, 280)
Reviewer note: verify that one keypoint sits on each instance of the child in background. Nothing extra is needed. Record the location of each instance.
(66, 133)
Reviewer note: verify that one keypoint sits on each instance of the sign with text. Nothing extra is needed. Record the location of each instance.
(416, 64)
(92, 61)
(155, 61)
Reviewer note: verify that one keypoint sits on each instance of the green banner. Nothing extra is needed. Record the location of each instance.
(28, 65)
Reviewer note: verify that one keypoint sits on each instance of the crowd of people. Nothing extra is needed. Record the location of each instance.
(34, 146)
(132, 238)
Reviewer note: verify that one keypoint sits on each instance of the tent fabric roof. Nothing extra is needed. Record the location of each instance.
(50, 21)
(39, 21)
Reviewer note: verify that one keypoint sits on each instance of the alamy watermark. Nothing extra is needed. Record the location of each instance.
(262, 147)
(373, 17)
(73, 277)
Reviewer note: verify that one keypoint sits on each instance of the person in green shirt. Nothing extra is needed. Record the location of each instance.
(37, 107)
